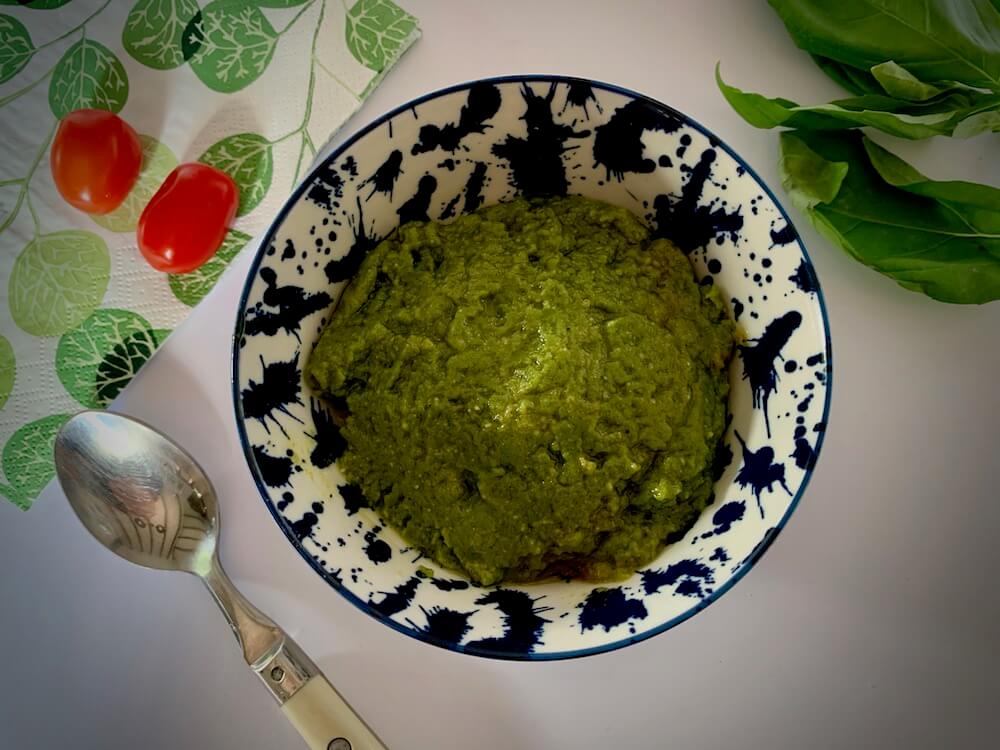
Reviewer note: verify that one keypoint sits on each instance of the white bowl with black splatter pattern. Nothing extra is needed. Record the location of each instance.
(481, 143)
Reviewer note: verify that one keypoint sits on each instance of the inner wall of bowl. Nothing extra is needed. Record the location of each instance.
(440, 159)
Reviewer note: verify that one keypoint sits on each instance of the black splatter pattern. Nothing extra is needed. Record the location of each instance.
(396, 600)
(330, 444)
(804, 454)
(474, 187)
(326, 188)
(449, 210)
(536, 163)
(804, 277)
(342, 269)
(688, 577)
(759, 472)
(383, 179)
(483, 103)
(353, 496)
(720, 555)
(521, 621)
(724, 518)
(759, 357)
(450, 584)
(685, 221)
(446, 625)
(305, 525)
(783, 236)
(581, 94)
(737, 308)
(277, 390)
(609, 608)
(377, 550)
(618, 143)
(416, 208)
(291, 303)
(276, 471)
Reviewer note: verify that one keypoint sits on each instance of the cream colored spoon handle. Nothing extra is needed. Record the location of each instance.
(326, 721)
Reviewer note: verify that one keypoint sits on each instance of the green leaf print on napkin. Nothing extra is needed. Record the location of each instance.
(37, 4)
(123, 363)
(88, 75)
(8, 370)
(233, 45)
(154, 32)
(247, 158)
(157, 162)
(376, 30)
(57, 281)
(191, 287)
(98, 341)
(15, 47)
(278, 3)
(27, 459)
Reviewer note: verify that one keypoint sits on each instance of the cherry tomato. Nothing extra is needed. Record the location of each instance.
(185, 222)
(95, 159)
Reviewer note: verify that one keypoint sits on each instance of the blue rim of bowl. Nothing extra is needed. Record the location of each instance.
(744, 568)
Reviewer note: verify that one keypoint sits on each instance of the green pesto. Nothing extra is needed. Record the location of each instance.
(535, 389)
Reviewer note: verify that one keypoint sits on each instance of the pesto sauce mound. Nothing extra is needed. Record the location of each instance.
(535, 389)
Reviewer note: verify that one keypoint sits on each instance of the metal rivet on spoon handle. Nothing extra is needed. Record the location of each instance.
(144, 498)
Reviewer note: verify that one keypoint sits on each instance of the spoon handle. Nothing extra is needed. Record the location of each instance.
(326, 721)
(321, 715)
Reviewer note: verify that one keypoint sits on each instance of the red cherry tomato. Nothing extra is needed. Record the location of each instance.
(95, 159)
(185, 222)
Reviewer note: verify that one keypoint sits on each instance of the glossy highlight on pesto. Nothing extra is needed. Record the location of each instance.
(536, 389)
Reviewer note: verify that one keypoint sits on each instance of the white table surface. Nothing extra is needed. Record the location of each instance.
(871, 622)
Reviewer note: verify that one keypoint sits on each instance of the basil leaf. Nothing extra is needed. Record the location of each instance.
(853, 79)
(905, 119)
(936, 40)
(807, 177)
(976, 205)
(902, 84)
(978, 123)
(928, 236)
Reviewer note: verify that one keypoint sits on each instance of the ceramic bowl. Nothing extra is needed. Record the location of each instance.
(480, 143)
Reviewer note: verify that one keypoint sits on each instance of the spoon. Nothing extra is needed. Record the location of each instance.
(145, 499)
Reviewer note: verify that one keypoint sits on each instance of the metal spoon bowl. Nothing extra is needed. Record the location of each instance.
(147, 500)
